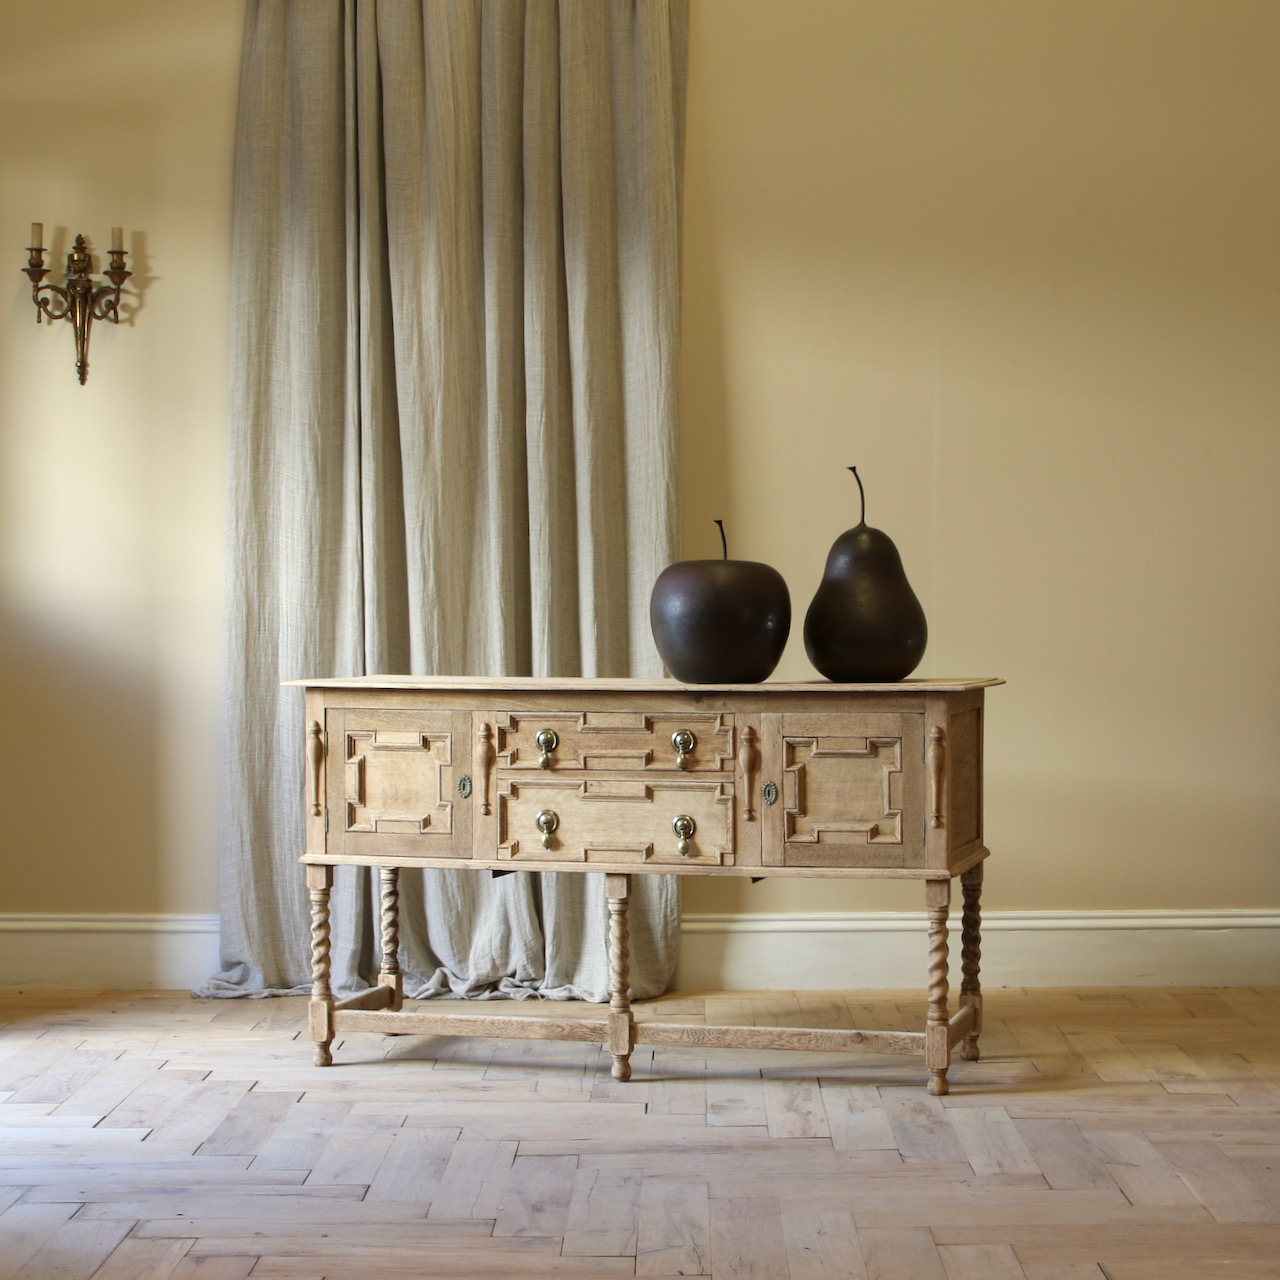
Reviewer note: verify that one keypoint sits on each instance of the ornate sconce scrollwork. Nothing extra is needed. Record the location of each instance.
(78, 299)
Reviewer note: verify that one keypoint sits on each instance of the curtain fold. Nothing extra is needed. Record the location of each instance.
(453, 429)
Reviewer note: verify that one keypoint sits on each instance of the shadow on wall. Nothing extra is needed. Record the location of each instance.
(80, 761)
(133, 297)
(704, 408)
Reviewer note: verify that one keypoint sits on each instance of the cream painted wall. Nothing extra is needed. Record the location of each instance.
(1020, 263)
(114, 112)
(1017, 261)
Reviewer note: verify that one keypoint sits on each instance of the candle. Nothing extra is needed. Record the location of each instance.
(37, 236)
(117, 239)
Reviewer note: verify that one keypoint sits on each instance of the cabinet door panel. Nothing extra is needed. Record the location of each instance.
(849, 790)
(393, 783)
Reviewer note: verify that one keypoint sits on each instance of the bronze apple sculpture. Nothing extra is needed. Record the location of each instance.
(720, 621)
(865, 625)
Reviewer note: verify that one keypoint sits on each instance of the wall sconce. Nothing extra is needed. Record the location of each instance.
(77, 299)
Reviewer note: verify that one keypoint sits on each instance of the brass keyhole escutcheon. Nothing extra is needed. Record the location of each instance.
(546, 822)
(546, 741)
(769, 792)
(684, 826)
(684, 743)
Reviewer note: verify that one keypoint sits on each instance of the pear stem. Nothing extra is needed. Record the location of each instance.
(862, 493)
(724, 545)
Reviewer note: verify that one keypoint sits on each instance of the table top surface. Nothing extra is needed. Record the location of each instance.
(620, 684)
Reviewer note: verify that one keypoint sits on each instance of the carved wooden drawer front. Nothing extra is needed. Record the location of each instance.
(850, 790)
(615, 820)
(615, 740)
(393, 783)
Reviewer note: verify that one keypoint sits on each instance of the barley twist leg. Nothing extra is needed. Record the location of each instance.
(320, 1010)
(971, 957)
(621, 1041)
(389, 976)
(937, 1051)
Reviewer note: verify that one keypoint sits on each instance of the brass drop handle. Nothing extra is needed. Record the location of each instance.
(546, 741)
(546, 822)
(684, 743)
(684, 826)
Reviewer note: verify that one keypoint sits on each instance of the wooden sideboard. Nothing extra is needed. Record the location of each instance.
(636, 777)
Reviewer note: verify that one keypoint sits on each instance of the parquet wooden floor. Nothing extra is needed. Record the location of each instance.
(1105, 1135)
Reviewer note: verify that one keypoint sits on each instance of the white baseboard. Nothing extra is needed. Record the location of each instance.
(107, 952)
(853, 950)
(739, 952)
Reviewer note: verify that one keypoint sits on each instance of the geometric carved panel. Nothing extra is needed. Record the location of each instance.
(842, 787)
(850, 790)
(393, 781)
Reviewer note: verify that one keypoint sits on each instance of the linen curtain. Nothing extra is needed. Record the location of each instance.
(453, 429)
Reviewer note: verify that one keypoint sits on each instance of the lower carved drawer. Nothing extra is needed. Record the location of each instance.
(615, 820)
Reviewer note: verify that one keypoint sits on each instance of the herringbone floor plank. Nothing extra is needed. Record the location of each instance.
(1105, 1135)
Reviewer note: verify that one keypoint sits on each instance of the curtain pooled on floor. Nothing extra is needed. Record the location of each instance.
(453, 430)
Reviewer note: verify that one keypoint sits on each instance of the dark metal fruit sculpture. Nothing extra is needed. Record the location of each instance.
(865, 624)
(720, 621)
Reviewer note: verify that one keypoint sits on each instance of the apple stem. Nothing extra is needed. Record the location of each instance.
(724, 545)
(862, 493)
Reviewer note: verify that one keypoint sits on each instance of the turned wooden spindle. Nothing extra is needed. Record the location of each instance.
(937, 764)
(486, 756)
(747, 759)
(315, 758)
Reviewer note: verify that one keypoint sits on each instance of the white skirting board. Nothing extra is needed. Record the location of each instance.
(850, 950)
(107, 952)
(815, 952)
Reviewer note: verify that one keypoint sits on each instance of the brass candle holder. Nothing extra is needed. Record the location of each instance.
(79, 298)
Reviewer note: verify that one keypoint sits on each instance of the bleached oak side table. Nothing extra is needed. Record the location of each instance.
(640, 777)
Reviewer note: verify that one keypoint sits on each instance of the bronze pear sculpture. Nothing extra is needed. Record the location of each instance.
(865, 625)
